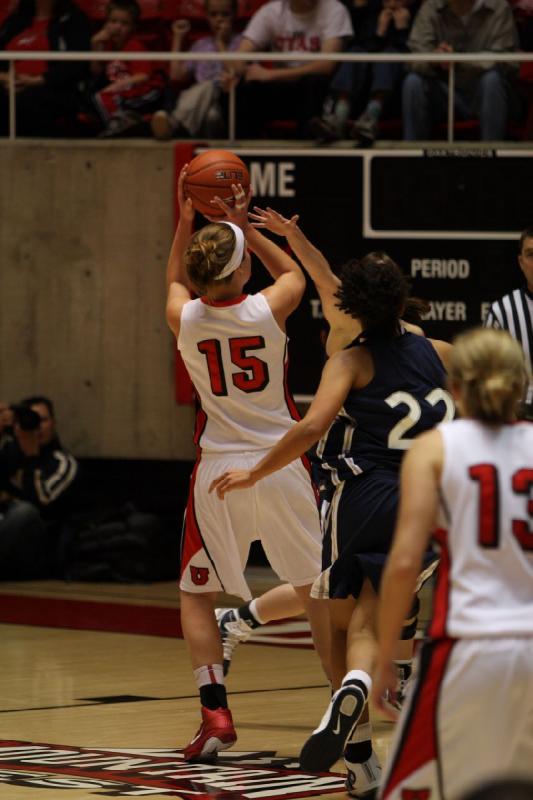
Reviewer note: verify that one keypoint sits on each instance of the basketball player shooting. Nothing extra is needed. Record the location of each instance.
(235, 349)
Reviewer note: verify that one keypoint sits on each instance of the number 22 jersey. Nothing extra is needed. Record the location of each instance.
(236, 356)
(379, 422)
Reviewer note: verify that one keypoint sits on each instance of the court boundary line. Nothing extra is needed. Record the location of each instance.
(159, 699)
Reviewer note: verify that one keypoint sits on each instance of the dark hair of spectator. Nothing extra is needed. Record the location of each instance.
(527, 233)
(132, 7)
(510, 789)
(374, 290)
(39, 398)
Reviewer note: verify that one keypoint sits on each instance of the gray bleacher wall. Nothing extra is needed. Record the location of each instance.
(85, 229)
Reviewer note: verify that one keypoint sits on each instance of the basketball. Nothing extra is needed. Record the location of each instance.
(211, 174)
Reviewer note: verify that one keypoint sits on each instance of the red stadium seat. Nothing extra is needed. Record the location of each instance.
(96, 9)
(5, 9)
(195, 9)
(182, 9)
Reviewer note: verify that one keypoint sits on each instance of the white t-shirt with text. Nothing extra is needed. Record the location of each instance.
(276, 28)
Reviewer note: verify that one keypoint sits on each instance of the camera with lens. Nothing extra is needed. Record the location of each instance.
(25, 417)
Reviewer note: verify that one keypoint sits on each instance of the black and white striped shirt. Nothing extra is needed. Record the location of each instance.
(514, 313)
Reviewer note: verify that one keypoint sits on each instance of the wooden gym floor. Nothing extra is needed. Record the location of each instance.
(97, 698)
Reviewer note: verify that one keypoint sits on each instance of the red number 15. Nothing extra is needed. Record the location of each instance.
(253, 376)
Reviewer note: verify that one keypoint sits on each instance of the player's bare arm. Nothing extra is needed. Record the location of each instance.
(419, 480)
(344, 328)
(337, 379)
(444, 350)
(179, 288)
(285, 293)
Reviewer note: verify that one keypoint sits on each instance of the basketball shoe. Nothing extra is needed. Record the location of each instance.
(214, 734)
(395, 700)
(233, 631)
(326, 744)
(362, 780)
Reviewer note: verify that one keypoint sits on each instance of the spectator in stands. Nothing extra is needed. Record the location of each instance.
(38, 482)
(46, 91)
(514, 311)
(293, 89)
(199, 109)
(483, 89)
(376, 82)
(125, 89)
(523, 14)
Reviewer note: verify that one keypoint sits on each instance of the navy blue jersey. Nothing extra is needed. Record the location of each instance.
(378, 423)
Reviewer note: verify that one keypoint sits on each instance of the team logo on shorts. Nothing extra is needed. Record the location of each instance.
(199, 575)
(416, 794)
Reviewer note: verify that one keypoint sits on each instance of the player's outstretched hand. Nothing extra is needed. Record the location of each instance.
(185, 203)
(236, 213)
(273, 221)
(228, 481)
(383, 679)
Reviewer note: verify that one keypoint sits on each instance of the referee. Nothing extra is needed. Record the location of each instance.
(514, 311)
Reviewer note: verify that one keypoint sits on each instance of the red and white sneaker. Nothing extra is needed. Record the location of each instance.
(215, 733)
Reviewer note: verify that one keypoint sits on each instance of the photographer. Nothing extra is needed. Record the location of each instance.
(38, 479)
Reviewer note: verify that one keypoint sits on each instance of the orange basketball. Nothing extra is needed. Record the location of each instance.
(211, 174)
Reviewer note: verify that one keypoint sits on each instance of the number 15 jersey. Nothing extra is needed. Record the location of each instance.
(236, 356)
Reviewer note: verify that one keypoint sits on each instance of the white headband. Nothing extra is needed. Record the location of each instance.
(237, 255)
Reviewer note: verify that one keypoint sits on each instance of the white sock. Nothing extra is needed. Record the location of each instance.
(254, 612)
(358, 675)
(210, 673)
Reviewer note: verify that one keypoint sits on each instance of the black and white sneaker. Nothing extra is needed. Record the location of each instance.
(365, 129)
(233, 631)
(326, 744)
(395, 700)
(362, 780)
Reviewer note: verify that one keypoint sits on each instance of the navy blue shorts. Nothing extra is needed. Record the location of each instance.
(358, 532)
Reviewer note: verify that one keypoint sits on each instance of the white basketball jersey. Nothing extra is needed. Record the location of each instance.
(485, 583)
(236, 356)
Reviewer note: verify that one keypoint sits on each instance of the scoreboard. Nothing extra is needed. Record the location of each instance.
(450, 218)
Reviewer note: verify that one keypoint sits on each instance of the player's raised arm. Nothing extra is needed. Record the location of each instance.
(285, 293)
(314, 263)
(179, 287)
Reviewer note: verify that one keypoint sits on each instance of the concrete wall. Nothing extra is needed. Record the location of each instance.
(85, 230)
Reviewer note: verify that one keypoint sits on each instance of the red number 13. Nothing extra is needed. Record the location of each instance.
(489, 500)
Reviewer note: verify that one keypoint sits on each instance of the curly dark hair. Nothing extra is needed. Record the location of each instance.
(415, 310)
(373, 290)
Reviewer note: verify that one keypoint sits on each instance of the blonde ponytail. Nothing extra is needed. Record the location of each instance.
(488, 367)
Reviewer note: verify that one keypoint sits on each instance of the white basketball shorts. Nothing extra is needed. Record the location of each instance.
(280, 510)
(467, 720)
